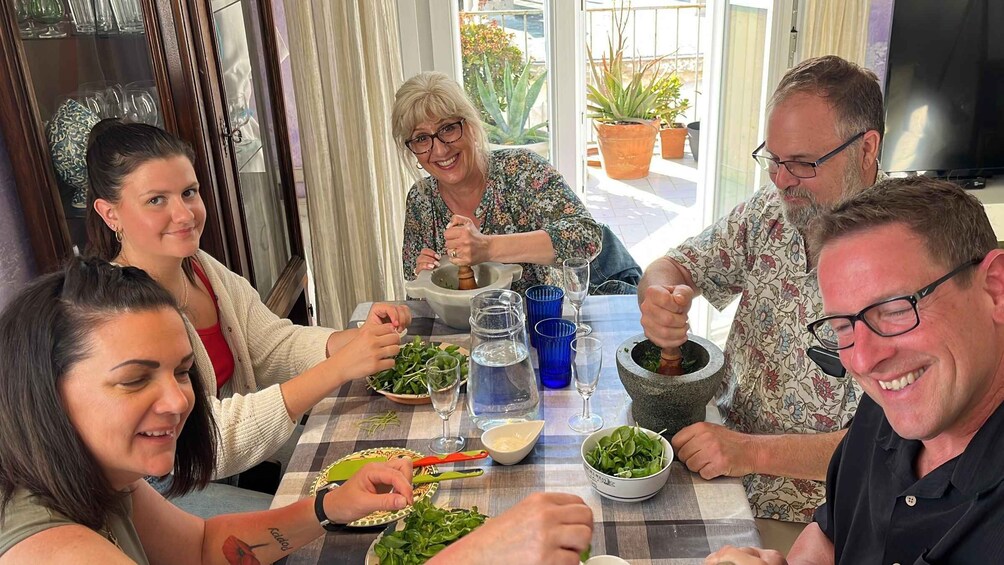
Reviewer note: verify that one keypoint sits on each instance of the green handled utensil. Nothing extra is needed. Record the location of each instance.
(446, 476)
(346, 469)
(437, 477)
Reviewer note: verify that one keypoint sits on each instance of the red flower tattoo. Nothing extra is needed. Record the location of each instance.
(238, 552)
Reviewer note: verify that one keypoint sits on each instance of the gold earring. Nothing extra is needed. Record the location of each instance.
(418, 166)
(118, 235)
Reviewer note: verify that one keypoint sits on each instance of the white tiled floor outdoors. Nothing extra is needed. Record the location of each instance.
(651, 214)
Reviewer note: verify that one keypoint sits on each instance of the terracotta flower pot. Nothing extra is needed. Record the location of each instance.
(671, 142)
(627, 148)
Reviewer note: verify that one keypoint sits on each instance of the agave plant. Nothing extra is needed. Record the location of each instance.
(510, 107)
(611, 99)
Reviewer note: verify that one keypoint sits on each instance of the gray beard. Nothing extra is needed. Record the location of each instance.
(801, 217)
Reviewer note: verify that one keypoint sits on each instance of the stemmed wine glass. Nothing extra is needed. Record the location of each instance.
(442, 376)
(587, 360)
(50, 13)
(575, 271)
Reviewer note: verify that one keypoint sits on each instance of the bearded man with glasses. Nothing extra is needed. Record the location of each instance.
(783, 416)
(913, 294)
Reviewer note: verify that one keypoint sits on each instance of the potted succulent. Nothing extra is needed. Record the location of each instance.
(509, 108)
(671, 105)
(624, 108)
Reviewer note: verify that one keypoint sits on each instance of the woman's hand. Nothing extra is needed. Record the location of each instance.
(370, 351)
(551, 528)
(367, 491)
(397, 315)
(426, 261)
(465, 244)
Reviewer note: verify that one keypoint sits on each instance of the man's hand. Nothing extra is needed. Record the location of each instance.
(729, 555)
(713, 450)
(543, 529)
(664, 314)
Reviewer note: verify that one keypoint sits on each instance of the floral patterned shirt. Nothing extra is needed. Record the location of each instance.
(771, 385)
(524, 193)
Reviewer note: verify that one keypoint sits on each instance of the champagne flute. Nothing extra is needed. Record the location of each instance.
(575, 272)
(587, 360)
(442, 376)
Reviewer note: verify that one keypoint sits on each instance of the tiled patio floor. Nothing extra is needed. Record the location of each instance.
(652, 214)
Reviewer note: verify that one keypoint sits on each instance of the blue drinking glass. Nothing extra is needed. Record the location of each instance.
(554, 351)
(543, 301)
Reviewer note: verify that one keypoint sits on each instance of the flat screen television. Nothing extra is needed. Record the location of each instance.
(944, 92)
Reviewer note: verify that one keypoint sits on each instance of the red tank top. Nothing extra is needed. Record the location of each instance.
(213, 340)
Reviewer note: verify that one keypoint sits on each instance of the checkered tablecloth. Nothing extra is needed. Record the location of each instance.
(688, 519)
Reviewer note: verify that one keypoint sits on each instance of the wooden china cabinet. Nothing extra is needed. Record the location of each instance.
(205, 70)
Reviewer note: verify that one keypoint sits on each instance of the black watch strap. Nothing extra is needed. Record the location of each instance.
(319, 511)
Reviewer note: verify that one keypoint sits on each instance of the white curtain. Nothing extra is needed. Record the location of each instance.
(834, 27)
(346, 69)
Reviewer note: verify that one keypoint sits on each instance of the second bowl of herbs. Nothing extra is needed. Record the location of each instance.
(405, 382)
(627, 463)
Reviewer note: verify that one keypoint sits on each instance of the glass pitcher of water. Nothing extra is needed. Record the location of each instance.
(501, 386)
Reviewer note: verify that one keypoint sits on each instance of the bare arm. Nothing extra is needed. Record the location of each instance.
(371, 349)
(713, 451)
(530, 247)
(800, 456)
(169, 535)
(812, 548)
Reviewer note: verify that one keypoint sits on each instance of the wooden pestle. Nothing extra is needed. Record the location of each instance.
(670, 362)
(465, 278)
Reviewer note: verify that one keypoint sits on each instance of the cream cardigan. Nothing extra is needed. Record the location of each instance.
(249, 411)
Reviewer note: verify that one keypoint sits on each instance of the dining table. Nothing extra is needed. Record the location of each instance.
(688, 518)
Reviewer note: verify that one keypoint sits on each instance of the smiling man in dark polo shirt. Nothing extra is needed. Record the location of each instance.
(913, 293)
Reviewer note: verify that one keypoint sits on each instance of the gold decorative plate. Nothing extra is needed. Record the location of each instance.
(381, 517)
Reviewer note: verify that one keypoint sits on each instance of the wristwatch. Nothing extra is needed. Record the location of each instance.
(319, 511)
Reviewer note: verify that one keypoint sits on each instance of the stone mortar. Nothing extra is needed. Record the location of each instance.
(671, 403)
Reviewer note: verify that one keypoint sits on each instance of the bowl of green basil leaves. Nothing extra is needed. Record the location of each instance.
(404, 383)
(627, 463)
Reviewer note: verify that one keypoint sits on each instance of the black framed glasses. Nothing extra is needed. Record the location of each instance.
(888, 318)
(422, 143)
(800, 169)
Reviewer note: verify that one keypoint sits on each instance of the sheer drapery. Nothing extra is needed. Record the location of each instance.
(834, 28)
(346, 69)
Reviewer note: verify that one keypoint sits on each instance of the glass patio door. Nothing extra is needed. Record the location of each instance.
(750, 52)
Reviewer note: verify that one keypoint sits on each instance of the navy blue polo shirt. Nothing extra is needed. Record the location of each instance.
(878, 511)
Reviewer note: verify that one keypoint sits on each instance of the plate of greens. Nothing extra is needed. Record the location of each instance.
(381, 517)
(425, 532)
(405, 383)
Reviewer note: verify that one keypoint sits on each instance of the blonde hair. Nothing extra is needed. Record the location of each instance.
(433, 96)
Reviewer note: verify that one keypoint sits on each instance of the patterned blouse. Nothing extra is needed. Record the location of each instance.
(771, 385)
(524, 193)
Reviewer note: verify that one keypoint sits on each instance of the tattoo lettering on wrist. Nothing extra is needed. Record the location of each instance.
(283, 542)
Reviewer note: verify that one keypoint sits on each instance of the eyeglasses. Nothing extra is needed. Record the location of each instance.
(800, 169)
(888, 318)
(422, 143)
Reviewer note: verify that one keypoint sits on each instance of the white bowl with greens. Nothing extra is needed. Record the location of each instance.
(627, 463)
